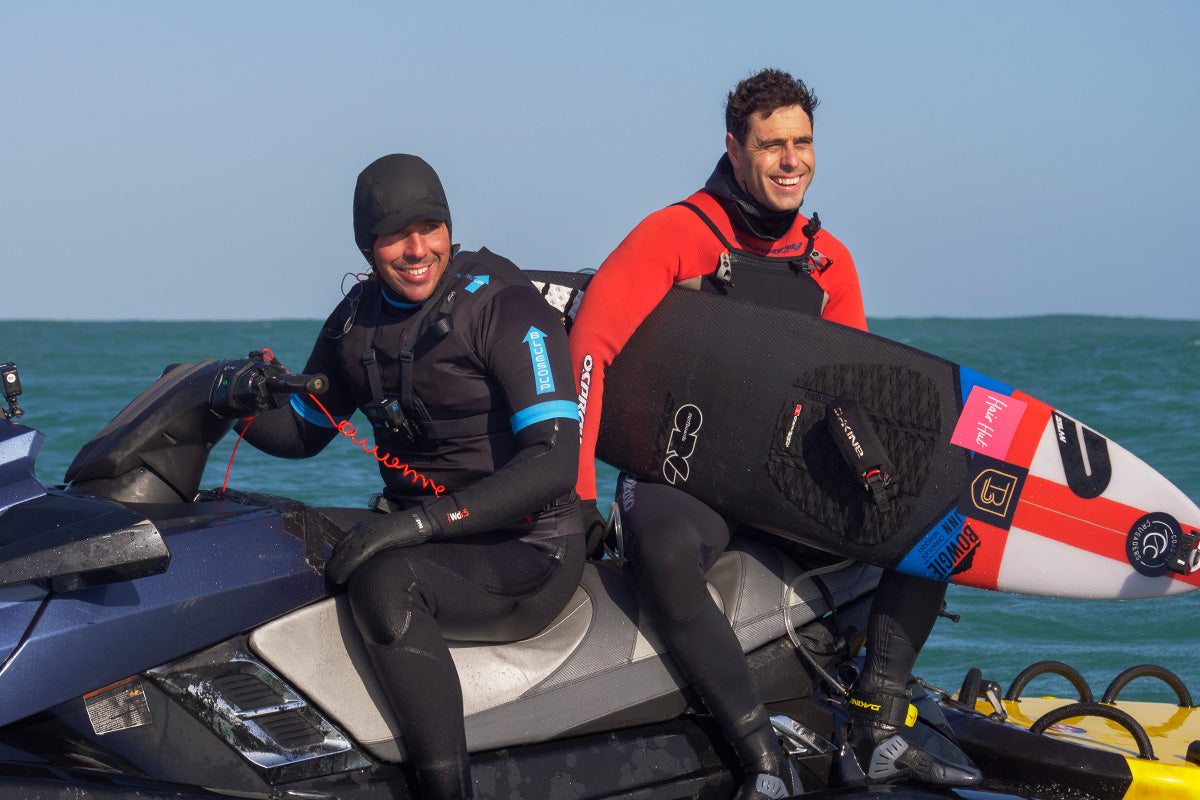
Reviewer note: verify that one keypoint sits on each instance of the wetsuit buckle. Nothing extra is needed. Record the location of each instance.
(444, 323)
(560, 501)
(724, 271)
(879, 484)
(819, 262)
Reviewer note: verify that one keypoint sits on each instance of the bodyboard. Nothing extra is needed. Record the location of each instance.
(726, 400)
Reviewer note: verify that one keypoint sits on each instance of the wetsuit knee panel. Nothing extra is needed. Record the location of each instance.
(383, 595)
(664, 547)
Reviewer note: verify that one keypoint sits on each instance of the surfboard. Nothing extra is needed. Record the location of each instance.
(726, 400)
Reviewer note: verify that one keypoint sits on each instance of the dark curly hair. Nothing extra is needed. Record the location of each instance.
(767, 92)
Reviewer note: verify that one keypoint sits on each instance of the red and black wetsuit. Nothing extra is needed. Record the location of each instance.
(675, 245)
(673, 539)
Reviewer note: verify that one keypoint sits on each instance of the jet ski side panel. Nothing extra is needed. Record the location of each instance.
(216, 587)
(19, 447)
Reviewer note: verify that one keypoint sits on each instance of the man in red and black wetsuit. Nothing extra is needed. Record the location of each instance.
(742, 236)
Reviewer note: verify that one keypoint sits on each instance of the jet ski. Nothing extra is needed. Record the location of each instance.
(162, 641)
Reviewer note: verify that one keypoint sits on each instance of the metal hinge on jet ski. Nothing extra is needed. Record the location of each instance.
(12, 388)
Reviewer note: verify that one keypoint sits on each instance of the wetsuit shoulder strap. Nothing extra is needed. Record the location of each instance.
(809, 261)
(368, 360)
(724, 270)
(482, 274)
(471, 286)
(712, 226)
(411, 406)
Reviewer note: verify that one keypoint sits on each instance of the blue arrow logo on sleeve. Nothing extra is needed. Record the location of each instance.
(542, 376)
(477, 281)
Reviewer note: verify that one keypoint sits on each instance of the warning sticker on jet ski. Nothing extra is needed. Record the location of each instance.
(118, 707)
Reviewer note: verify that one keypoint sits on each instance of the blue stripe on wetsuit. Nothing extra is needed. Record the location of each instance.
(310, 415)
(551, 409)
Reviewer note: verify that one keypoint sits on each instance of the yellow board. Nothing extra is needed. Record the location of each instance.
(1171, 730)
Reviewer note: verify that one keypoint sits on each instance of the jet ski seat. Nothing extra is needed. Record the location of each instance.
(598, 657)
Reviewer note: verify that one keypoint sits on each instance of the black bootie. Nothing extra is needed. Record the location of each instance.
(710, 658)
(885, 743)
(769, 786)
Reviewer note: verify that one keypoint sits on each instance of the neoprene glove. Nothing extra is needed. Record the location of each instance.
(240, 387)
(381, 532)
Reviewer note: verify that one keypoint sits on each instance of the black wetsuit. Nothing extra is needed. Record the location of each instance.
(482, 432)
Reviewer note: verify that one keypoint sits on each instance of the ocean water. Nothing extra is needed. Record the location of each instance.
(1137, 381)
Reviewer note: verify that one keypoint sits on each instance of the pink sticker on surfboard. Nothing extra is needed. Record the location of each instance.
(988, 422)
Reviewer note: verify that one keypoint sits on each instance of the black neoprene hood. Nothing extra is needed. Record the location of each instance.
(392, 193)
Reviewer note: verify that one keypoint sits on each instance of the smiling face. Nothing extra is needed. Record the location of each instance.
(775, 164)
(411, 261)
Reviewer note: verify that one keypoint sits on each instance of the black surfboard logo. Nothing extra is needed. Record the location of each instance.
(948, 550)
(682, 444)
(992, 494)
(1151, 543)
(1086, 478)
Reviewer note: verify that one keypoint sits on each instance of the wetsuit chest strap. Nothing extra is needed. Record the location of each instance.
(407, 414)
(806, 263)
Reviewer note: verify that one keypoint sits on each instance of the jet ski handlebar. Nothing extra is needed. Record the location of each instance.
(155, 449)
(254, 384)
(297, 384)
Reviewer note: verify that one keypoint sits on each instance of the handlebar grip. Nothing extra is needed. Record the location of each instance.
(307, 384)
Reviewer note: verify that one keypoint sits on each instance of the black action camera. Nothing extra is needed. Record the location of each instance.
(12, 388)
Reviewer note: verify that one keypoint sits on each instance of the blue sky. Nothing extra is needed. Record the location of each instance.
(196, 160)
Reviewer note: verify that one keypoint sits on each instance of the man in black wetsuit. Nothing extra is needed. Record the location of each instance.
(463, 370)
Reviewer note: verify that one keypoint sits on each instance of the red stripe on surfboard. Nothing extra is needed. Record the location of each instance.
(1029, 432)
(1097, 525)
